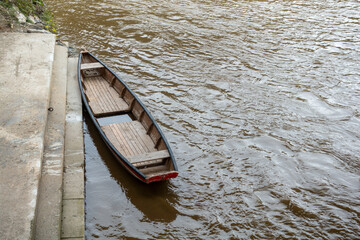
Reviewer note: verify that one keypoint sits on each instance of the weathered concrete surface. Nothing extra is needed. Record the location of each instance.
(25, 73)
(73, 224)
(74, 183)
(73, 219)
(49, 208)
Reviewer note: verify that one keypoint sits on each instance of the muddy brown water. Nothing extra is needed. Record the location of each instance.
(259, 101)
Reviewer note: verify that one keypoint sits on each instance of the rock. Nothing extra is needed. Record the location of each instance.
(31, 30)
(20, 17)
(37, 19)
(31, 19)
(35, 26)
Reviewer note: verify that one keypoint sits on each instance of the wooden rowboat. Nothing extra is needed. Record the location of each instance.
(134, 138)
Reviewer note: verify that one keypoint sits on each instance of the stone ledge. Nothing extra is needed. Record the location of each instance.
(25, 70)
(73, 218)
(74, 183)
(49, 209)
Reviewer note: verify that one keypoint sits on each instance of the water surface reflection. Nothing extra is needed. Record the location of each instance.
(152, 200)
(259, 101)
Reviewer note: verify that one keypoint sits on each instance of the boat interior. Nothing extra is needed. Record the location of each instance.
(123, 120)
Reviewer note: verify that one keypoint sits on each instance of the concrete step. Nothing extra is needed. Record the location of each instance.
(25, 76)
(73, 223)
(49, 208)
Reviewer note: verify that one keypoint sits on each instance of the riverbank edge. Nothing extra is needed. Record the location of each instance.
(26, 16)
(70, 177)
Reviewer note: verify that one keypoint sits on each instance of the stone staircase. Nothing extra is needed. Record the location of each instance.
(41, 140)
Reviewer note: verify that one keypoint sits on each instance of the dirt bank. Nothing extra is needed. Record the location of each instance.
(25, 16)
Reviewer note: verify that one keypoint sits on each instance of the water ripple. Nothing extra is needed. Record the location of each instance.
(260, 102)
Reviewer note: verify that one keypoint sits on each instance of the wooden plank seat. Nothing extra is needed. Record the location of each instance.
(86, 66)
(103, 98)
(131, 140)
(149, 156)
(155, 170)
(148, 163)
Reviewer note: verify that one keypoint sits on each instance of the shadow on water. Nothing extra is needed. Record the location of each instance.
(154, 200)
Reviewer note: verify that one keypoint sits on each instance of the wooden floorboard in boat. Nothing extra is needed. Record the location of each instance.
(98, 95)
(102, 97)
(129, 138)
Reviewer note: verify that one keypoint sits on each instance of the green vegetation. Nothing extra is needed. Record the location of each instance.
(31, 8)
(48, 18)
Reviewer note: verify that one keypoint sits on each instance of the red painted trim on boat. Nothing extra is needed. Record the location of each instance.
(169, 175)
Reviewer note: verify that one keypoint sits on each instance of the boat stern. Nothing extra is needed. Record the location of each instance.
(161, 177)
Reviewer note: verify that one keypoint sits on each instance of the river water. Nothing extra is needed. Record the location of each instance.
(259, 101)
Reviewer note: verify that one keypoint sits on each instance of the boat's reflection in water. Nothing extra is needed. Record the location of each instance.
(115, 192)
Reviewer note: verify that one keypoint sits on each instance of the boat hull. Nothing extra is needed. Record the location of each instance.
(138, 145)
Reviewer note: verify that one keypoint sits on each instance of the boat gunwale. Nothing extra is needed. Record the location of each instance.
(135, 171)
